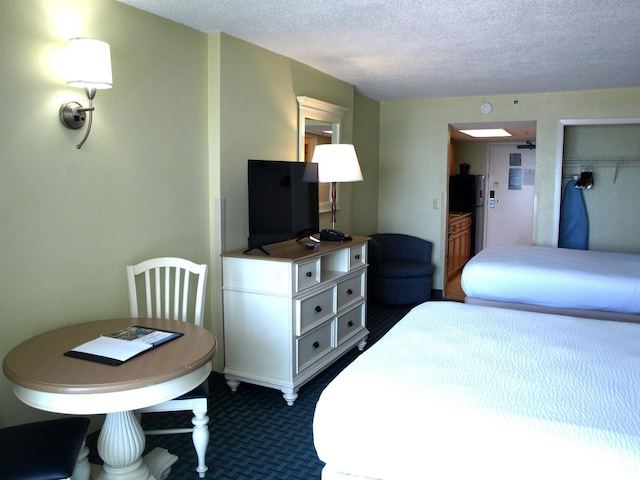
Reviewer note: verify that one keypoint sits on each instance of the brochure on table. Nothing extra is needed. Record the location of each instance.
(116, 348)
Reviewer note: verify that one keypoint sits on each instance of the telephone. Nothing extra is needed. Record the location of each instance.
(333, 235)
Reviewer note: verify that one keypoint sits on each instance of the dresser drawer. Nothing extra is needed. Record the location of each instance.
(307, 274)
(313, 345)
(357, 256)
(351, 322)
(313, 310)
(459, 225)
(351, 290)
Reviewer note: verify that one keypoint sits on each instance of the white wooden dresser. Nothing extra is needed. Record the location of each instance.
(290, 314)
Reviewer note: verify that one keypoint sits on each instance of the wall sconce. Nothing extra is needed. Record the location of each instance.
(89, 68)
(337, 162)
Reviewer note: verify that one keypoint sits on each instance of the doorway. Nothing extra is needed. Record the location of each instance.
(475, 153)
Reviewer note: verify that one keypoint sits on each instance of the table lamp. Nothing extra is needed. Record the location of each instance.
(337, 162)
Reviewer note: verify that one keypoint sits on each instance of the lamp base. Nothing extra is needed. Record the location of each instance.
(72, 115)
(334, 236)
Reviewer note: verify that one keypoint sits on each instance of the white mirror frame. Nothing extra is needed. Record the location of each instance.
(318, 110)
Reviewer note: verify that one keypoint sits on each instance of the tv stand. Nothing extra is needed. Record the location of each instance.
(261, 248)
(256, 248)
(290, 315)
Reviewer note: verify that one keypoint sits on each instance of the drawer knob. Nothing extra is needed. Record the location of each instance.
(358, 257)
(318, 309)
(349, 292)
(316, 345)
(350, 323)
(309, 274)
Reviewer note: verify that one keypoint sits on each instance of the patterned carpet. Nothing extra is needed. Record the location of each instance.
(254, 434)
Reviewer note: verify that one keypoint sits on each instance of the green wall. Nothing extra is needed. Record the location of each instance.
(472, 153)
(169, 146)
(71, 220)
(259, 120)
(366, 135)
(414, 143)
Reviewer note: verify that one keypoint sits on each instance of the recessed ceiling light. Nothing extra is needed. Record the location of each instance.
(486, 132)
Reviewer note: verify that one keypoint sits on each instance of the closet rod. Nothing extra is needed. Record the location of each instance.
(591, 164)
(603, 162)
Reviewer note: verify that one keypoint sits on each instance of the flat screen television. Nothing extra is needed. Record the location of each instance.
(283, 201)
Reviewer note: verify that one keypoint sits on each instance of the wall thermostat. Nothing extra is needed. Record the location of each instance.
(485, 108)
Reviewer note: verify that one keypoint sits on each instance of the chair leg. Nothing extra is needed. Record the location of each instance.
(83, 469)
(200, 438)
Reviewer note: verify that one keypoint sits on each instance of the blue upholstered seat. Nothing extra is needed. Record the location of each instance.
(400, 269)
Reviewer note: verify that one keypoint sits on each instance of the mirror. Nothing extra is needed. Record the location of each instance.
(318, 123)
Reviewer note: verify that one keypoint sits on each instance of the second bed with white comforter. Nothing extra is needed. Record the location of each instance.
(577, 282)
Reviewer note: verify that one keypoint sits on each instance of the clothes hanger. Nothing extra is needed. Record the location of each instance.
(586, 178)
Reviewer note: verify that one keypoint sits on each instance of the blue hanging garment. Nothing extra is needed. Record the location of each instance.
(574, 224)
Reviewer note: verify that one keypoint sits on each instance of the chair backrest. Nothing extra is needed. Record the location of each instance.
(166, 289)
(399, 246)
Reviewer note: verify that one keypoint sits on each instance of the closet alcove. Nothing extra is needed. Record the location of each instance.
(611, 153)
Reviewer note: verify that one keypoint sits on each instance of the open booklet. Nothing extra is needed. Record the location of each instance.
(116, 348)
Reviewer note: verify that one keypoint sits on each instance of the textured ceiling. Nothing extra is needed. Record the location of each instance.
(409, 49)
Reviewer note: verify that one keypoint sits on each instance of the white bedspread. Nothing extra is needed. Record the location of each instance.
(555, 277)
(457, 391)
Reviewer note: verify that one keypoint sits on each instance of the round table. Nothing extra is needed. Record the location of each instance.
(46, 379)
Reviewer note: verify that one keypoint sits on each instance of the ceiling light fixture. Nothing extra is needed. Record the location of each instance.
(486, 133)
(89, 68)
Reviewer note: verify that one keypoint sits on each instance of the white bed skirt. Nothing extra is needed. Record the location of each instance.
(573, 312)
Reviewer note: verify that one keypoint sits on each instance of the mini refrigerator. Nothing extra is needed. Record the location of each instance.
(466, 194)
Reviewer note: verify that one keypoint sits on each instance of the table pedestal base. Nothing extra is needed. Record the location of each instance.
(120, 446)
(159, 461)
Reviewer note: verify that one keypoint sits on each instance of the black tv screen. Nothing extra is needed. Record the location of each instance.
(283, 201)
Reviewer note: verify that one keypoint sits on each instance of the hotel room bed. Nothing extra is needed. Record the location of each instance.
(584, 283)
(457, 391)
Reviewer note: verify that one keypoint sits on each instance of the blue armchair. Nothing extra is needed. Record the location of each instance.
(400, 269)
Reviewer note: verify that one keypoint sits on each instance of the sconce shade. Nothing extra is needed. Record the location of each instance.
(89, 64)
(337, 162)
(89, 67)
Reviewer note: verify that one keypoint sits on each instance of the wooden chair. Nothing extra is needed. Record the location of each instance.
(46, 450)
(165, 287)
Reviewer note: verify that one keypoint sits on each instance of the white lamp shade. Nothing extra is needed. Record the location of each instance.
(89, 63)
(337, 162)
